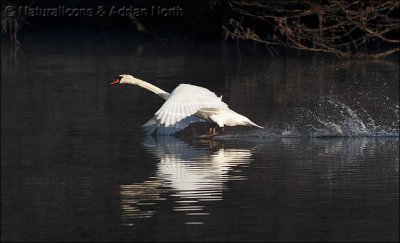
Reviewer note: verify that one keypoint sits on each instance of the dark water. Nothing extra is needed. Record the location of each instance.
(76, 167)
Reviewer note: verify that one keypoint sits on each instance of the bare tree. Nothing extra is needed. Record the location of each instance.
(347, 29)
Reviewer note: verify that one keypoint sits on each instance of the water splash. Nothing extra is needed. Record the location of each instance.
(333, 118)
(339, 119)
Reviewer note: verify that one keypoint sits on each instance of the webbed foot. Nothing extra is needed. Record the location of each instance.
(212, 132)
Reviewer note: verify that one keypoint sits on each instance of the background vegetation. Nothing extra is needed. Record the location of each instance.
(346, 29)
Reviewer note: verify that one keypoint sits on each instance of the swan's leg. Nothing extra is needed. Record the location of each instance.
(212, 132)
(215, 133)
(214, 129)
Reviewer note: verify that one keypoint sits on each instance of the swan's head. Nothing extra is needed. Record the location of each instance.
(124, 79)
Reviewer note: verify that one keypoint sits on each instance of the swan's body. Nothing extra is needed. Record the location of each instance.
(185, 105)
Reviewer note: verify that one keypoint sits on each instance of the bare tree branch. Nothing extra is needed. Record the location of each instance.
(343, 28)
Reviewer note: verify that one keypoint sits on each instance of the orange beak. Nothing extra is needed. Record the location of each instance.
(115, 81)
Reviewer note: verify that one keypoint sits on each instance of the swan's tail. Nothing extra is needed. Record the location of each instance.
(253, 124)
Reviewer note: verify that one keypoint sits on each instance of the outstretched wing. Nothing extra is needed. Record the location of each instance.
(178, 111)
(185, 101)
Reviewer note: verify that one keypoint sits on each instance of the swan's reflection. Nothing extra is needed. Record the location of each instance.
(190, 174)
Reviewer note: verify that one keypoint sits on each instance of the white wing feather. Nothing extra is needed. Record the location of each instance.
(185, 101)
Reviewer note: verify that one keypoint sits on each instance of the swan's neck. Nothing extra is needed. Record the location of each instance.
(163, 94)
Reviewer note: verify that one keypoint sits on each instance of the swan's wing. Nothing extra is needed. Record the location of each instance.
(182, 124)
(185, 101)
(151, 126)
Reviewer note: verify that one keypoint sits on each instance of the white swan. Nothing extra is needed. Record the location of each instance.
(186, 104)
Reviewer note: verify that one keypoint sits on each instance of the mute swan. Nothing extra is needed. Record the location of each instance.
(185, 105)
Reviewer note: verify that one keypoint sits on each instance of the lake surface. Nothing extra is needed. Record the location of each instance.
(75, 165)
